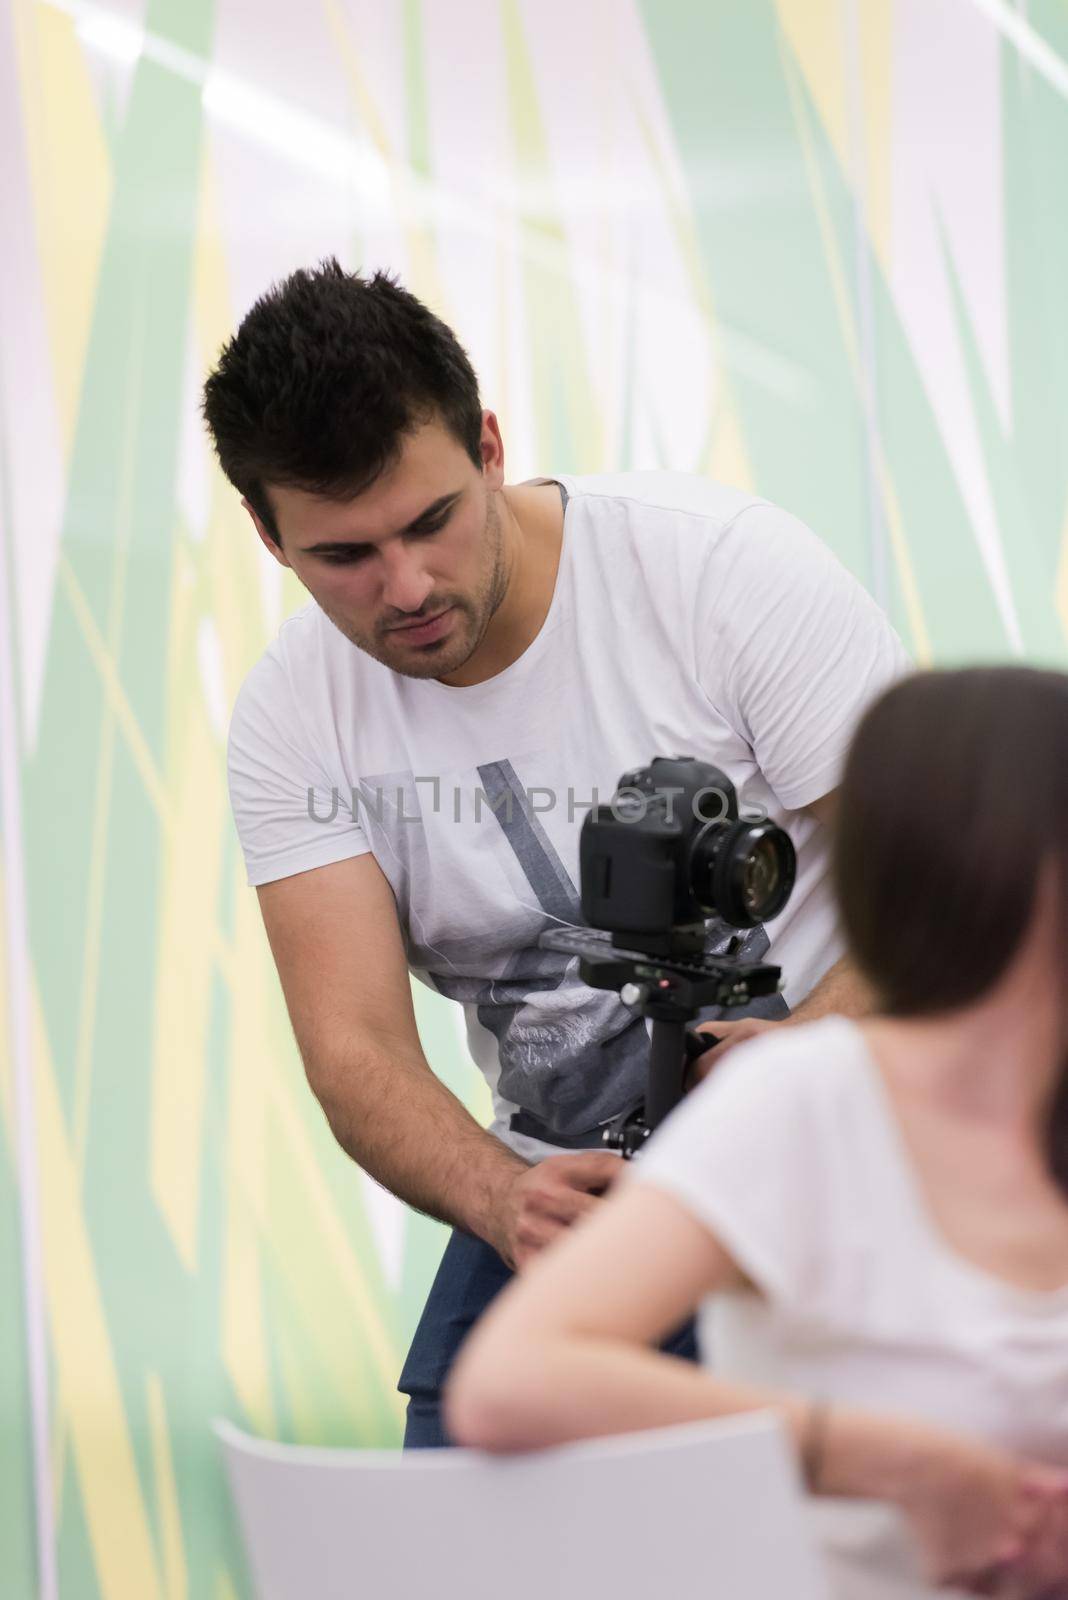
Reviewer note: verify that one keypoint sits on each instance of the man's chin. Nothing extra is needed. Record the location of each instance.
(413, 661)
(423, 661)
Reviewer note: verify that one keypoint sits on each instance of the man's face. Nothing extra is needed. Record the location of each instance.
(411, 570)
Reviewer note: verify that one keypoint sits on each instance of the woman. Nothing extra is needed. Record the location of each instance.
(871, 1217)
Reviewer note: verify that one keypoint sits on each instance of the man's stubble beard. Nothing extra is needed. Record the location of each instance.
(474, 615)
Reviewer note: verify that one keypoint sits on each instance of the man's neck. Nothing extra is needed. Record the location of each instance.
(532, 530)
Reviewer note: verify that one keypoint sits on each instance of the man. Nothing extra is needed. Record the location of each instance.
(411, 760)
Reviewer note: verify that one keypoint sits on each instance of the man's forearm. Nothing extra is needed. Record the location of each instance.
(401, 1125)
(841, 990)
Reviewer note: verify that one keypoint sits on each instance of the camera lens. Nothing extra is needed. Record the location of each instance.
(760, 876)
(744, 871)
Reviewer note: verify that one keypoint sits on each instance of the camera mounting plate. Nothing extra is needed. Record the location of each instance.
(676, 988)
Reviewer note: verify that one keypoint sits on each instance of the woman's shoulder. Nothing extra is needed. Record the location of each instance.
(769, 1152)
(803, 1060)
(775, 1097)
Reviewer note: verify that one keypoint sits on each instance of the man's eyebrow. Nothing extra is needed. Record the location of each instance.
(443, 503)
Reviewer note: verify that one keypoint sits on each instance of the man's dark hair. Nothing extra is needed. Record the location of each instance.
(325, 376)
(953, 800)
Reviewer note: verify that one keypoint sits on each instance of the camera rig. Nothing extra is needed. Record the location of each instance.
(667, 853)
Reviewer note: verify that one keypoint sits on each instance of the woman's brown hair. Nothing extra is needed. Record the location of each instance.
(954, 797)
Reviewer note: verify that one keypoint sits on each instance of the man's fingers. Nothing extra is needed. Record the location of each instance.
(560, 1203)
(540, 1231)
(539, 1228)
(728, 1035)
(740, 1028)
(567, 1205)
(702, 1065)
(591, 1170)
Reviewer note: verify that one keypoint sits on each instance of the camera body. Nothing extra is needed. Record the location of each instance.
(667, 855)
(670, 851)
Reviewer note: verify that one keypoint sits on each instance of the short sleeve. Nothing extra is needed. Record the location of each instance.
(741, 1154)
(791, 650)
(289, 816)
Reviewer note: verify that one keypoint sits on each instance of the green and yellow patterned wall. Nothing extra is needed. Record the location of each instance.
(819, 247)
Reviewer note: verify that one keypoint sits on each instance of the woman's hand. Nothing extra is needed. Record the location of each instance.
(984, 1520)
(1042, 1569)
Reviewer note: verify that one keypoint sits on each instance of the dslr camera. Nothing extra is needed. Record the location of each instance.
(668, 854)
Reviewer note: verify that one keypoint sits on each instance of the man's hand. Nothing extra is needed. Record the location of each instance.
(841, 990)
(728, 1034)
(545, 1199)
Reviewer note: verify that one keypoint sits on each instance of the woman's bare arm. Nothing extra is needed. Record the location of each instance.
(566, 1353)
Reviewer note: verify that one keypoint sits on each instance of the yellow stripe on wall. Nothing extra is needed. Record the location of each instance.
(185, 962)
(71, 185)
(875, 20)
(244, 1334)
(814, 34)
(7, 1086)
(87, 1383)
(1061, 601)
(169, 1516)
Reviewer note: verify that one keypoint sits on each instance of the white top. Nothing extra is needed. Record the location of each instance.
(687, 618)
(791, 1153)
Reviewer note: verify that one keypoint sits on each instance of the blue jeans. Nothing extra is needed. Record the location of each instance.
(470, 1274)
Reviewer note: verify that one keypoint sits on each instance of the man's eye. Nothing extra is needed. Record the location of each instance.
(342, 558)
(429, 527)
(348, 558)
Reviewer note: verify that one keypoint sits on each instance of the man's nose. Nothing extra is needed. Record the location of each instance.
(405, 586)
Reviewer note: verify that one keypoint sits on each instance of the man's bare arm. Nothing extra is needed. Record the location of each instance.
(336, 941)
(337, 945)
(841, 990)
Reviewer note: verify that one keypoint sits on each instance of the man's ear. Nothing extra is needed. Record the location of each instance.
(272, 544)
(492, 447)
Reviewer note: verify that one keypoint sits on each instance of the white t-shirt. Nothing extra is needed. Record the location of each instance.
(791, 1153)
(687, 618)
